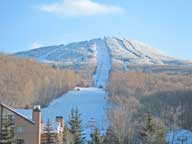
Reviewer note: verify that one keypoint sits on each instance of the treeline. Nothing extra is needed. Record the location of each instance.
(24, 82)
(85, 70)
(151, 132)
(173, 107)
(136, 84)
(137, 95)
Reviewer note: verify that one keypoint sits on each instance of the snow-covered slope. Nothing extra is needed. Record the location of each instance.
(102, 55)
(180, 136)
(102, 52)
(73, 53)
(120, 49)
(103, 64)
(135, 52)
(92, 104)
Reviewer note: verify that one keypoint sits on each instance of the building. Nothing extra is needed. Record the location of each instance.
(24, 130)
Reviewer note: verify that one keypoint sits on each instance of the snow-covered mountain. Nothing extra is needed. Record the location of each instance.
(103, 54)
(120, 50)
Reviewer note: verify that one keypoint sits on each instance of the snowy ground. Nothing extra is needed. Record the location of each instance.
(179, 137)
(103, 64)
(91, 102)
(120, 49)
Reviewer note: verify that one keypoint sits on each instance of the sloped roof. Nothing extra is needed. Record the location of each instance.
(18, 114)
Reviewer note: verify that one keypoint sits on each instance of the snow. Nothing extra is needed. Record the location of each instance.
(178, 136)
(43, 57)
(25, 112)
(103, 64)
(36, 53)
(121, 49)
(125, 65)
(74, 53)
(135, 52)
(92, 103)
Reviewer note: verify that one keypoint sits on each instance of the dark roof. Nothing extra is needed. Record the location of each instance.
(20, 115)
(59, 116)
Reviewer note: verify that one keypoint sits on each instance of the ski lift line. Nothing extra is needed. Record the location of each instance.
(103, 63)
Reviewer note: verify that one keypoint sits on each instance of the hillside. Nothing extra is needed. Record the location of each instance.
(123, 52)
(24, 82)
(144, 84)
(167, 96)
(139, 78)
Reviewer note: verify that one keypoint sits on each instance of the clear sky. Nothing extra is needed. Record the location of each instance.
(164, 24)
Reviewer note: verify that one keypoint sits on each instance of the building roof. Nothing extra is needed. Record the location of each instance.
(19, 114)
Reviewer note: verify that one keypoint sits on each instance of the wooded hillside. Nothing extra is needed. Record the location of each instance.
(24, 82)
(167, 97)
(139, 83)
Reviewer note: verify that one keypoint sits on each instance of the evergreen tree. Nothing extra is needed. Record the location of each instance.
(110, 137)
(7, 133)
(96, 138)
(48, 133)
(75, 126)
(153, 132)
(68, 137)
(59, 138)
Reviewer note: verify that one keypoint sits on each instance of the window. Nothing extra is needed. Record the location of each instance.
(11, 119)
(20, 141)
(19, 129)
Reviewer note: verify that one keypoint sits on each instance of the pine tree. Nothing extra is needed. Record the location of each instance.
(96, 138)
(110, 137)
(48, 133)
(7, 133)
(59, 138)
(68, 137)
(153, 132)
(75, 126)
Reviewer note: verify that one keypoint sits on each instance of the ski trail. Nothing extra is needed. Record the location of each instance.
(92, 104)
(103, 64)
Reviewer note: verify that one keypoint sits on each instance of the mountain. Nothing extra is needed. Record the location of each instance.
(109, 53)
(135, 74)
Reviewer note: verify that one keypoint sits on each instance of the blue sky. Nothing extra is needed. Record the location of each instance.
(164, 24)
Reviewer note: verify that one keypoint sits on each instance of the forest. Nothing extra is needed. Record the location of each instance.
(25, 82)
(138, 99)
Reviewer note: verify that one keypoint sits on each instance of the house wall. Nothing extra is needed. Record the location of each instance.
(30, 132)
